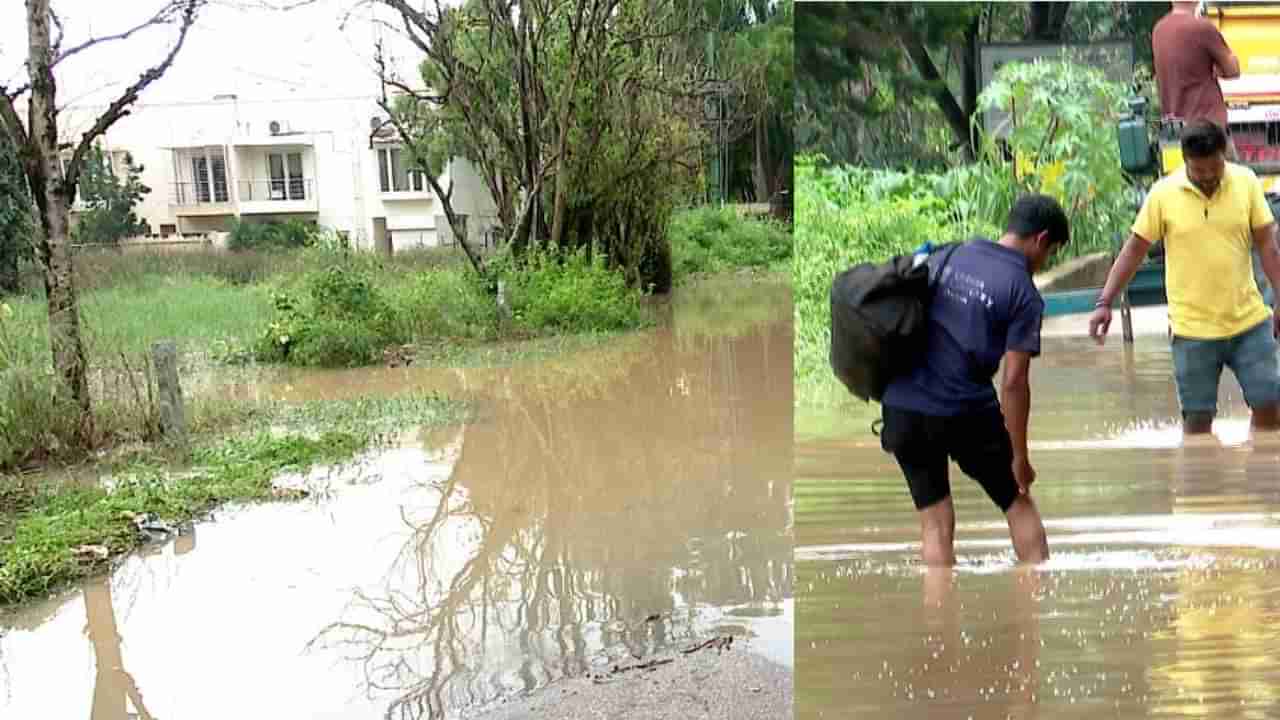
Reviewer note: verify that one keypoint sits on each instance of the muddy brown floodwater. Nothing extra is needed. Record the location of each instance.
(622, 503)
(1161, 598)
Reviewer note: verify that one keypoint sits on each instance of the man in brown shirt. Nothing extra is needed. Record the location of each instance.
(1190, 56)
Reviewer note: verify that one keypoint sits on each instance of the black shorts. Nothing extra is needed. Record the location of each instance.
(978, 442)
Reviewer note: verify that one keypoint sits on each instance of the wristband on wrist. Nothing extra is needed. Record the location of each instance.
(1102, 303)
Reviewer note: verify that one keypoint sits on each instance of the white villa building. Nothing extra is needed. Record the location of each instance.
(318, 159)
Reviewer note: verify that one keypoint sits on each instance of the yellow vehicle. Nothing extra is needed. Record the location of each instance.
(1252, 31)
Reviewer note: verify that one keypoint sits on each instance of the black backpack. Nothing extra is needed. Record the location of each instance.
(878, 315)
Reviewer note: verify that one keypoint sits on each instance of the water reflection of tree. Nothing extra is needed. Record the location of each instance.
(583, 504)
(114, 688)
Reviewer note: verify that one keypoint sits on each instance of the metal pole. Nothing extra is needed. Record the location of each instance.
(1126, 317)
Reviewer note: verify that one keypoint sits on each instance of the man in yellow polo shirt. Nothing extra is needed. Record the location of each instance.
(1210, 214)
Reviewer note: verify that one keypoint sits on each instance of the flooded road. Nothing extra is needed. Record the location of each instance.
(624, 501)
(1161, 598)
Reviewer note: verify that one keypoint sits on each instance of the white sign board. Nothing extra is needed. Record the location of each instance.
(1113, 57)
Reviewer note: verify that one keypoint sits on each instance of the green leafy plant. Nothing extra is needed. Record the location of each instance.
(342, 319)
(1061, 141)
(16, 221)
(572, 292)
(715, 239)
(273, 235)
(108, 199)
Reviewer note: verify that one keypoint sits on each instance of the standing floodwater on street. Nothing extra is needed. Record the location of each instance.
(1161, 598)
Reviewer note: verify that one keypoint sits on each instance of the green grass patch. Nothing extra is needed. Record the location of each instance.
(196, 312)
(51, 535)
(371, 415)
(135, 266)
(572, 293)
(505, 353)
(718, 239)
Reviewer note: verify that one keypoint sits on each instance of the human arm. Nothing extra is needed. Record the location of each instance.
(1225, 62)
(1015, 402)
(1122, 271)
(1021, 344)
(1147, 228)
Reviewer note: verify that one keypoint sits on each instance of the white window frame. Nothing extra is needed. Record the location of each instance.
(208, 155)
(415, 180)
(292, 186)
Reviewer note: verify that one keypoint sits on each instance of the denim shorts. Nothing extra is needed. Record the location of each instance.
(1251, 355)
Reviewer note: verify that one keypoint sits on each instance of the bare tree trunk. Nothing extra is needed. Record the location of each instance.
(946, 101)
(530, 127)
(762, 175)
(52, 188)
(54, 203)
(564, 116)
(562, 181)
(1046, 20)
(64, 315)
(969, 70)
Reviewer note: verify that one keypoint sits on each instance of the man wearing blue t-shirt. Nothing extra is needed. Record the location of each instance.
(985, 309)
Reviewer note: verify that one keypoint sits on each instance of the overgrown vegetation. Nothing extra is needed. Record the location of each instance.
(895, 84)
(716, 239)
(350, 313)
(600, 140)
(213, 304)
(572, 293)
(16, 221)
(50, 536)
(273, 235)
(109, 193)
(340, 318)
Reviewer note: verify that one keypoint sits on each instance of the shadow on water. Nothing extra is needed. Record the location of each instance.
(1161, 598)
(600, 507)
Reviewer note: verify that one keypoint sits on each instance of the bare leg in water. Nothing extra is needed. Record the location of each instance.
(1026, 530)
(938, 529)
(937, 534)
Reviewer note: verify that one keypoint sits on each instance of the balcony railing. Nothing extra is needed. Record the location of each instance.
(198, 193)
(283, 190)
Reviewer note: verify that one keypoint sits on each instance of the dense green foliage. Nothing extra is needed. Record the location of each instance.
(895, 84)
(709, 240)
(107, 199)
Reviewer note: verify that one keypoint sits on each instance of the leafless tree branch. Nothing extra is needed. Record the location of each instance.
(163, 16)
(57, 22)
(10, 120)
(263, 4)
(444, 194)
(119, 108)
(417, 17)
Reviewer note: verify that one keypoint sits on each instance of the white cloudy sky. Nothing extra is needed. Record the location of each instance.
(255, 53)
